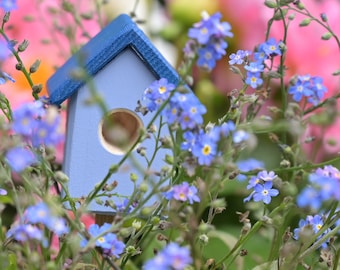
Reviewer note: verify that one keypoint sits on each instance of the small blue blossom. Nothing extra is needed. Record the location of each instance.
(266, 176)
(239, 57)
(264, 192)
(316, 223)
(8, 5)
(207, 57)
(210, 34)
(254, 67)
(204, 149)
(25, 232)
(183, 192)
(25, 117)
(19, 158)
(240, 136)
(254, 79)
(157, 93)
(57, 225)
(308, 86)
(172, 257)
(271, 47)
(105, 239)
(324, 185)
(262, 185)
(191, 114)
(39, 213)
(248, 165)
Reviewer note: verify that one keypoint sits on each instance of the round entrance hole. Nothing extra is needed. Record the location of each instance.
(119, 130)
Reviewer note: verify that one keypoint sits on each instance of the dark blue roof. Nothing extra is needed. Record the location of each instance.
(100, 50)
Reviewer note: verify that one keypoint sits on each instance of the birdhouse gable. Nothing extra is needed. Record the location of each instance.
(121, 34)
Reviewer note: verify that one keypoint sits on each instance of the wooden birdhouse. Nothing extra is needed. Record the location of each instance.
(123, 63)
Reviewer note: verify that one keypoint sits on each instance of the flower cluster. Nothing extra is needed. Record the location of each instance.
(255, 68)
(262, 185)
(324, 185)
(172, 257)
(36, 126)
(203, 145)
(105, 240)
(182, 192)
(311, 87)
(315, 223)
(158, 92)
(210, 34)
(35, 216)
(186, 111)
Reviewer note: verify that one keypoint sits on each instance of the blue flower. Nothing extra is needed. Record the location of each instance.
(183, 192)
(25, 117)
(324, 186)
(8, 5)
(157, 93)
(316, 223)
(57, 225)
(254, 79)
(204, 149)
(262, 184)
(308, 86)
(24, 232)
(19, 158)
(239, 57)
(264, 192)
(209, 33)
(172, 257)
(254, 67)
(105, 239)
(266, 176)
(240, 136)
(47, 132)
(207, 57)
(271, 47)
(39, 213)
(248, 165)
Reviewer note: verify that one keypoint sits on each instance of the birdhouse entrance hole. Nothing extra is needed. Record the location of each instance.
(119, 130)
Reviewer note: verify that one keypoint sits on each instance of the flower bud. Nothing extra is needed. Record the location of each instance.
(305, 22)
(270, 4)
(35, 65)
(204, 239)
(133, 177)
(326, 36)
(23, 46)
(61, 177)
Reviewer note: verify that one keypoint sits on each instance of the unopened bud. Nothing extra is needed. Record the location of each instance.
(23, 46)
(35, 66)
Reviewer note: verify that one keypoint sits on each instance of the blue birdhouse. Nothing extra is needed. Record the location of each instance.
(122, 63)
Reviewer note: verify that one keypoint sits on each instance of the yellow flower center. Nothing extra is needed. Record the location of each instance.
(162, 90)
(206, 150)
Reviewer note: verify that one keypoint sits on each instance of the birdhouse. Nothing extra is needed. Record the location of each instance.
(122, 63)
